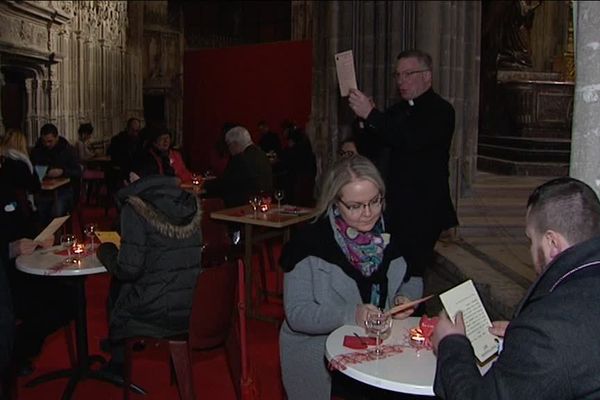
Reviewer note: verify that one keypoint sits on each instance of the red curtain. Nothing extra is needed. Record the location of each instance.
(243, 85)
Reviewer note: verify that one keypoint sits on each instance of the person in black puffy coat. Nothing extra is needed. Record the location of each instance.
(155, 269)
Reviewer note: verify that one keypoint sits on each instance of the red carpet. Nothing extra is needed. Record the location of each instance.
(151, 369)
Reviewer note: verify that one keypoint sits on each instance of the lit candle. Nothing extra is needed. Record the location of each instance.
(78, 249)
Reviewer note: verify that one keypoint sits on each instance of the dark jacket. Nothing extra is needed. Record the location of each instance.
(158, 261)
(123, 150)
(419, 206)
(551, 348)
(246, 173)
(62, 155)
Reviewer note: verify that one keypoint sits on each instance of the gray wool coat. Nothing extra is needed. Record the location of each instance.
(319, 298)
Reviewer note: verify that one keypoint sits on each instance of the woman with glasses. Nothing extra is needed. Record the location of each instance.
(336, 270)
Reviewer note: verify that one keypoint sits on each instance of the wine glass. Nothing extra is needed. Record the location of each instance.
(255, 202)
(67, 241)
(90, 231)
(378, 324)
(279, 194)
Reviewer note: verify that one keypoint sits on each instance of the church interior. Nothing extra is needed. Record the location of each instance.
(507, 67)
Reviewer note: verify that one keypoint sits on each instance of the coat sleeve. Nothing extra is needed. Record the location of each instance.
(309, 309)
(530, 366)
(132, 254)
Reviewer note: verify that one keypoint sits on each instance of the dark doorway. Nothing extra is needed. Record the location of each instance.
(154, 109)
(14, 105)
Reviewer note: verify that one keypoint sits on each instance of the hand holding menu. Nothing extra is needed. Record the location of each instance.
(344, 66)
(465, 298)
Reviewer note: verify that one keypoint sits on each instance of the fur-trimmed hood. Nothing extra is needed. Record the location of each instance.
(175, 213)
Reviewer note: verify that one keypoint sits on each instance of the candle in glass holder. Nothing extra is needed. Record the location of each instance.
(416, 336)
(264, 207)
(78, 250)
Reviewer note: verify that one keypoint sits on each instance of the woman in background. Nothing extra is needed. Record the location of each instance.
(336, 270)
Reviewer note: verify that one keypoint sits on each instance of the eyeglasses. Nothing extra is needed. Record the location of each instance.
(347, 153)
(406, 74)
(358, 208)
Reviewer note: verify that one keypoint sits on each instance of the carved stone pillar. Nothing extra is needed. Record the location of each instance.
(450, 32)
(585, 163)
(302, 19)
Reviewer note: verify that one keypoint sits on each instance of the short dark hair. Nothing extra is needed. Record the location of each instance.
(85, 128)
(130, 122)
(48, 129)
(567, 206)
(424, 58)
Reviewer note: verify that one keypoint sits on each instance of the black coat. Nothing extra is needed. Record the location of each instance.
(419, 206)
(158, 261)
(551, 347)
(62, 155)
(246, 173)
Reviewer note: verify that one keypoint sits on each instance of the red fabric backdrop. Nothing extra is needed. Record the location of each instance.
(244, 85)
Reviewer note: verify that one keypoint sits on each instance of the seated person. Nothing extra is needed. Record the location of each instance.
(248, 170)
(336, 270)
(158, 148)
(122, 150)
(348, 147)
(155, 270)
(53, 304)
(59, 156)
(300, 168)
(551, 347)
(269, 141)
(25, 177)
(82, 147)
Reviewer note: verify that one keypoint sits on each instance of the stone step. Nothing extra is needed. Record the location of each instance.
(526, 154)
(537, 143)
(507, 167)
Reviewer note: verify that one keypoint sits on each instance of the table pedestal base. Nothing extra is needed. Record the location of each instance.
(78, 374)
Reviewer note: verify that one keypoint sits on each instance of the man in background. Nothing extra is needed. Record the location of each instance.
(418, 131)
(551, 346)
(59, 156)
(248, 171)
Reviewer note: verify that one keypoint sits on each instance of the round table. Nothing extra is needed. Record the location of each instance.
(411, 371)
(49, 262)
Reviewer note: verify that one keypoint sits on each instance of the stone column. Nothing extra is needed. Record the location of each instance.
(1, 87)
(585, 143)
(450, 32)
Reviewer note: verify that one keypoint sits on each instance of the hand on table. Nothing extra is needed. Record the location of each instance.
(445, 327)
(54, 172)
(361, 313)
(360, 103)
(498, 328)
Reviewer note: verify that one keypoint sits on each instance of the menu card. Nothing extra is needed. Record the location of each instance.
(344, 66)
(109, 237)
(465, 298)
(51, 228)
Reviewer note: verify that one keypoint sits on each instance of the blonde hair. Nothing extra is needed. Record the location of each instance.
(344, 171)
(16, 140)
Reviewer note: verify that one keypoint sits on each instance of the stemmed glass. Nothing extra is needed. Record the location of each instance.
(378, 324)
(255, 202)
(67, 241)
(90, 231)
(279, 194)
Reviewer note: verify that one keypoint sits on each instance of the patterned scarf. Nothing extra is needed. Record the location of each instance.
(364, 250)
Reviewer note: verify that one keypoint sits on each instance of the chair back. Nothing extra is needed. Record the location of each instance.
(213, 306)
(214, 233)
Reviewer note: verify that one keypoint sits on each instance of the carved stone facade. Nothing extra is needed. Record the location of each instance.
(75, 64)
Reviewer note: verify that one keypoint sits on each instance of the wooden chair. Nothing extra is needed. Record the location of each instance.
(210, 325)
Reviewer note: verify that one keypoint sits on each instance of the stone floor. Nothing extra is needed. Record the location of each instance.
(490, 246)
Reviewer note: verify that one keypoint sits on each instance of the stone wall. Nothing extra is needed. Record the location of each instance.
(76, 64)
